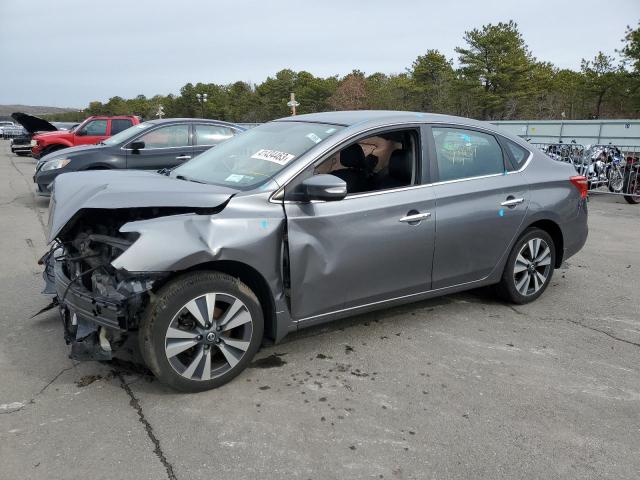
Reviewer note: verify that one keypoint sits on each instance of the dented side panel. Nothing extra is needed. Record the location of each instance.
(356, 251)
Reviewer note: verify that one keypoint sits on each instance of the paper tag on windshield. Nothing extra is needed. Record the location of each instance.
(314, 138)
(281, 158)
(234, 177)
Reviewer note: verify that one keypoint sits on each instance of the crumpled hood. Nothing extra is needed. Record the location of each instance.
(33, 124)
(76, 191)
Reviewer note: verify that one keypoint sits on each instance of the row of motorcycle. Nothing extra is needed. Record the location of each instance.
(605, 166)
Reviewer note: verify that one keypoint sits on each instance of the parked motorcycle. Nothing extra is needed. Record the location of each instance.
(592, 164)
(565, 152)
(615, 164)
(631, 184)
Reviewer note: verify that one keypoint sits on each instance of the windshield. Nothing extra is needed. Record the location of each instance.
(249, 159)
(127, 134)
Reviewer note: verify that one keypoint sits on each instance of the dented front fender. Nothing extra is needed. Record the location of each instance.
(249, 231)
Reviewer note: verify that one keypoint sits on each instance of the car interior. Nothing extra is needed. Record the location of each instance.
(166, 137)
(374, 163)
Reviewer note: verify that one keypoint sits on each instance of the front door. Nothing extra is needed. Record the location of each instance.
(164, 147)
(480, 206)
(374, 245)
(91, 133)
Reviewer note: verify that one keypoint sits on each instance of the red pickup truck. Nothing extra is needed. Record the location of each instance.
(92, 130)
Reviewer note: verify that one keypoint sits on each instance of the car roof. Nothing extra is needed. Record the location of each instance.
(161, 121)
(348, 118)
(374, 118)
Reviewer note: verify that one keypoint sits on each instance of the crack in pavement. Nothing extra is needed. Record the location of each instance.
(575, 322)
(610, 335)
(135, 404)
(42, 390)
(133, 401)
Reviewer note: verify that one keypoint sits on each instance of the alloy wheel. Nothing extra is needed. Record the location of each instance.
(208, 336)
(532, 266)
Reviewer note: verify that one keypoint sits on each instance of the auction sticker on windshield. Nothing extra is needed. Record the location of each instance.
(281, 158)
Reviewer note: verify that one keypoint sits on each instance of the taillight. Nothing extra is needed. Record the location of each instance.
(580, 183)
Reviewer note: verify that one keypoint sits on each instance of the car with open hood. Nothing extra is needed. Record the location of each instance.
(30, 125)
(151, 145)
(92, 130)
(297, 222)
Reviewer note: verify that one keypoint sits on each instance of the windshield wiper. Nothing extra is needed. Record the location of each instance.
(182, 177)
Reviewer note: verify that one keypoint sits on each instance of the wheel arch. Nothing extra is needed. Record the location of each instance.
(554, 230)
(53, 147)
(99, 166)
(58, 145)
(249, 276)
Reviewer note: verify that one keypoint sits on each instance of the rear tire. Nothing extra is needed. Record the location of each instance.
(201, 330)
(632, 185)
(529, 268)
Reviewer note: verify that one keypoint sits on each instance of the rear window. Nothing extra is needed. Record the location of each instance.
(120, 124)
(519, 155)
(211, 134)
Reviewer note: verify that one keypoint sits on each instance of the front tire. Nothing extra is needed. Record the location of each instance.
(201, 331)
(529, 267)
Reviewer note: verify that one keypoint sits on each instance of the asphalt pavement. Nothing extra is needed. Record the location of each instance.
(457, 387)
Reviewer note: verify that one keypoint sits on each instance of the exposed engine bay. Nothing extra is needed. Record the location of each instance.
(99, 304)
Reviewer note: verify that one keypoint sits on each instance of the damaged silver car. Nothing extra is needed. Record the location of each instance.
(297, 222)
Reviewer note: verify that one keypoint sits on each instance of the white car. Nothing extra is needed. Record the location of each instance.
(3, 124)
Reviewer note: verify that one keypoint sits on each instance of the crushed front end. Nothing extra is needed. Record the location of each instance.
(98, 303)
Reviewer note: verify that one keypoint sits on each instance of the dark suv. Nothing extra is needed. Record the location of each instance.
(151, 145)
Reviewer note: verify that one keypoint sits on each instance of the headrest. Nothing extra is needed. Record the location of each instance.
(352, 156)
(400, 166)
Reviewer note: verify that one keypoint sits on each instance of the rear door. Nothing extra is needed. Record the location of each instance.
(119, 124)
(92, 132)
(207, 135)
(166, 146)
(481, 204)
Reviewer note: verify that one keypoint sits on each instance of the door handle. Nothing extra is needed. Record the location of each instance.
(415, 217)
(512, 202)
(183, 157)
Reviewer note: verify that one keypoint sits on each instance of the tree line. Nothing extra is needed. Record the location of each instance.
(497, 78)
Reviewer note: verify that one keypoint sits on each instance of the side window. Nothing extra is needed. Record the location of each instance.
(211, 134)
(166, 137)
(94, 127)
(466, 153)
(380, 162)
(119, 124)
(519, 155)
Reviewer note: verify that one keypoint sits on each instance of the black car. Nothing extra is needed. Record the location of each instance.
(151, 145)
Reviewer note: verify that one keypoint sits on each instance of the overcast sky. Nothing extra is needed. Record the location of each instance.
(67, 53)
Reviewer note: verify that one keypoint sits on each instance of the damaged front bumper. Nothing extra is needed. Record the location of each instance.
(95, 324)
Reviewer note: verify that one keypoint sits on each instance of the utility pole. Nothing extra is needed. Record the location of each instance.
(292, 103)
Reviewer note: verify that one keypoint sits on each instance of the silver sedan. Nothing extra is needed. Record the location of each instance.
(297, 222)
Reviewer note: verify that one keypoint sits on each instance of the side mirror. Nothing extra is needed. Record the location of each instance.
(327, 188)
(136, 145)
(81, 133)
